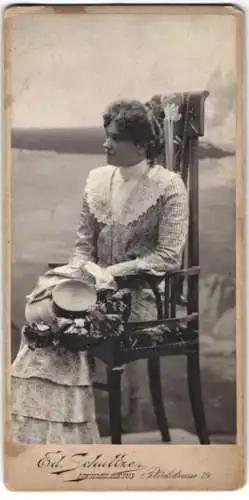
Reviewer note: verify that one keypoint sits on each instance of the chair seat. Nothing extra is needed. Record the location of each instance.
(168, 348)
(143, 344)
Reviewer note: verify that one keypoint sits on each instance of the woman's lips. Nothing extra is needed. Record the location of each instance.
(109, 156)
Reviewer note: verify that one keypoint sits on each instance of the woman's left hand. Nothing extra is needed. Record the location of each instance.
(133, 267)
(145, 268)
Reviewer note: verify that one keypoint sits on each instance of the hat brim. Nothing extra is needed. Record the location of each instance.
(73, 297)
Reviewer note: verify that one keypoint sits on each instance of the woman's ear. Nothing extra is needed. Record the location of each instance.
(141, 150)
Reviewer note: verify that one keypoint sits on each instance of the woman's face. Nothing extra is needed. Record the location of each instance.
(121, 153)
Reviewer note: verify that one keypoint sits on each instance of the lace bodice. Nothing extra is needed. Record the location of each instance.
(152, 225)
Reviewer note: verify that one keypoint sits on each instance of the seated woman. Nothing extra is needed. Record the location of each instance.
(134, 218)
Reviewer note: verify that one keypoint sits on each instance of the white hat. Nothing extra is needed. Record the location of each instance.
(73, 296)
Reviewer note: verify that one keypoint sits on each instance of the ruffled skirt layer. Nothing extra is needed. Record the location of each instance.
(44, 412)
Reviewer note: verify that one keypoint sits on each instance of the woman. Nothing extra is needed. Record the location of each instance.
(134, 219)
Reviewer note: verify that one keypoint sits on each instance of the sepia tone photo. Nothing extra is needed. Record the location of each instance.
(123, 152)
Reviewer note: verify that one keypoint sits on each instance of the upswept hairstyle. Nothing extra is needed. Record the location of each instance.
(139, 123)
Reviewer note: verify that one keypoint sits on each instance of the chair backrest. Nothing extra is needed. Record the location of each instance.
(183, 125)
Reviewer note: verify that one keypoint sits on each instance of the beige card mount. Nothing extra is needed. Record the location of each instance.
(179, 424)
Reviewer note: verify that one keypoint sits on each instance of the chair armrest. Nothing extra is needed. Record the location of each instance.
(171, 323)
(191, 271)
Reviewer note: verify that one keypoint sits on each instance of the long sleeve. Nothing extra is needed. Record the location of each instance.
(85, 244)
(172, 234)
(173, 230)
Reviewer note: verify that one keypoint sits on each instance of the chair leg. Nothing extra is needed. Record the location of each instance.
(195, 394)
(114, 396)
(157, 399)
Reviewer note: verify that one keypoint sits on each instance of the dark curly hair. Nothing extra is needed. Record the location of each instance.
(138, 123)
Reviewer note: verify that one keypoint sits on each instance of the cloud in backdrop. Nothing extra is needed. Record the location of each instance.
(67, 68)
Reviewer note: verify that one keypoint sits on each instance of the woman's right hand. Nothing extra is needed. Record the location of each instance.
(104, 280)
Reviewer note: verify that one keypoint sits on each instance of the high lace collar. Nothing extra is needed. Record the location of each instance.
(135, 172)
(98, 189)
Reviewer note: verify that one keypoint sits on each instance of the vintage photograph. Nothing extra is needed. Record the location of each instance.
(123, 276)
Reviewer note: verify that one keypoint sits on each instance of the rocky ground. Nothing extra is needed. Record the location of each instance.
(45, 206)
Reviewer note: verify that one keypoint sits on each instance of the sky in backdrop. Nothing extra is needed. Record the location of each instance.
(66, 68)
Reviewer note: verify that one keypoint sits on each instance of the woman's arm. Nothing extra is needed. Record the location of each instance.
(173, 229)
(85, 244)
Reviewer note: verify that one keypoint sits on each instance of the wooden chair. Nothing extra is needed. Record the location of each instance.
(177, 315)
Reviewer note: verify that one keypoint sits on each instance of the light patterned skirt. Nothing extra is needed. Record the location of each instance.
(52, 395)
(44, 412)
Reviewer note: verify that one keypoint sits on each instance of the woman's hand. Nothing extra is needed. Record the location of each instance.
(123, 269)
(131, 267)
(104, 279)
(67, 271)
(143, 267)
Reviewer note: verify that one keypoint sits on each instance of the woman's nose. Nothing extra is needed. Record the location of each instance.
(108, 144)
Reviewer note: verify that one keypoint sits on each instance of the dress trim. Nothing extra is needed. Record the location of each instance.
(98, 190)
